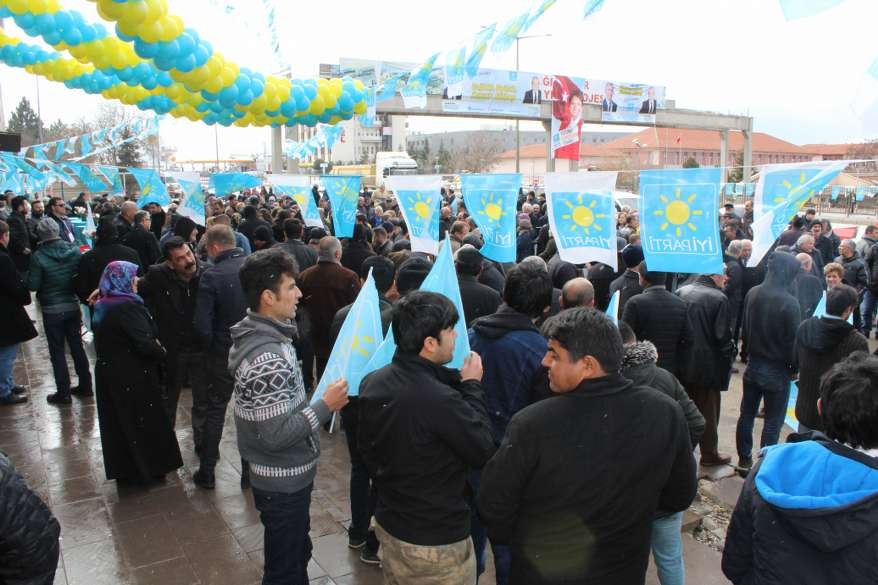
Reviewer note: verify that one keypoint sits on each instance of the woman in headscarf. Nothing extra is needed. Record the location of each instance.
(138, 441)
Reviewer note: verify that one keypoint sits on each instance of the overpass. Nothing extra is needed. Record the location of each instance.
(670, 117)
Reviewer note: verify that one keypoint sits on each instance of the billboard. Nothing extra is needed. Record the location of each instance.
(630, 102)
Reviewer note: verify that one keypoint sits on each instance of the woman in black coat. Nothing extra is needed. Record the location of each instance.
(138, 441)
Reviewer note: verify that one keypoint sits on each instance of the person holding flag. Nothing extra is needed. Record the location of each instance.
(278, 431)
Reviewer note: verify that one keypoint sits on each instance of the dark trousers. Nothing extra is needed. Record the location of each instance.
(708, 402)
(362, 492)
(502, 553)
(286, 520)
(183, 365)
(305, 353)
(771, 383)
(60, 327)
(214, 408)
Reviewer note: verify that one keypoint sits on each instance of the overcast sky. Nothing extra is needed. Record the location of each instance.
(804, 81)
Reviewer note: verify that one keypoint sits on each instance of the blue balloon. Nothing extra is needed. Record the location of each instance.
(186, 64)
(324, 117)
(164, 78)
(64, 20)
(186, 42)
(228, 97)
(52, 37)
(245, 97)
(90, 33)
(201, 55)
(72, 37)
(142, 71)
(288, 108)
(309, 120)
(243, 81)
(311, 92)
(168, 50)
(211, 97)
(345, 103)
(149, 83)
(45, 23)
(26, 20)
(145, 50)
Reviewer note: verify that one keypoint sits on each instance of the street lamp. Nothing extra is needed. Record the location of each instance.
(517, 131)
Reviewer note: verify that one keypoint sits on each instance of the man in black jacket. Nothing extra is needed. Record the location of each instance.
(478, 299)
(169, 290)
(141, 240)
(19, 236)
(822, 342)
(574, 509)
(219, 305)
(808, 513)
(808, 288)
(106, 249)
(17, 326)
(422, 427)
(628, 285)
(660, 317)
(305, 257)
(638, 365)
(125, 220)
(771, 318)
(707, 365)
(250, 223)
(855, 273)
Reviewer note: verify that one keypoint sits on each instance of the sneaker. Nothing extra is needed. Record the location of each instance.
(356, 543)
(13, 398)
(743, 467)
(19, 390)
(59, 399)
(369, 557)
(82, 391)
(204, 479)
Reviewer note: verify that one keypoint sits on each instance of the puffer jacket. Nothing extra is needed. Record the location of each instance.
(51, 275)
(28, 530)
(855, 273)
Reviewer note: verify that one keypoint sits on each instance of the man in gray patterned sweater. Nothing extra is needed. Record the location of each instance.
(277, 429)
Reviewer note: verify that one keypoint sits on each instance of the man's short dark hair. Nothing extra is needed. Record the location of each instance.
(18, 202)
(4, 228)
(584, 332)
(628, 336)
(839, 298)
(870, 229)
(653, 277)
(528, 290)
(383, 271)
(419, 315)
(264, 270)
(172, 243)
(293, 229)
(849, 401)
(810, 211)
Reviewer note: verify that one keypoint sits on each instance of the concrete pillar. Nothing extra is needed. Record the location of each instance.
(723, 155)
(748, 155)
(277, 150)
(550, 162)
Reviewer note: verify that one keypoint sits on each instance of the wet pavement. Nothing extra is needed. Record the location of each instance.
(177, 534)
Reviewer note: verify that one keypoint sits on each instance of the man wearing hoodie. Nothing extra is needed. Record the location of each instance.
(512, 350)
(278, 431)
(477, 299)
(771, 318)
(639, 366)
(822, 342)
(51, 275)
(808, 513)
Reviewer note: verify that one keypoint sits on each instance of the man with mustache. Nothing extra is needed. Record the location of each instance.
(169, 290)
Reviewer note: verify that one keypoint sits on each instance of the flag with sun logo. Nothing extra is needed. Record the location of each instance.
(442, 279)
(344, 192)
(419, 199)
(414, 93)
(491, 201)
(780, 194)
(299, 188)
(790, 418)
(152, 190)
(582, 216)
(357, 341)
(679, 219)
(226, 183)
(192, 202)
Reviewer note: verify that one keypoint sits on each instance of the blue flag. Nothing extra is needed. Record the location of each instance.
(582, 216)
(509, 32)
(152, 190)
(192, 202)
(790, 419)
(383, 355)
(90, 226)
(454, 64)
(613, 307)
(679, 220)
(414, 93)
(479, 49)
(343, 192)
(419, 198)
(591, 7)
(226, 183)
(89, 178)
(367, 119)
(442, 279)
(115, 177)
(356, 342)
(781, 193)
(537, 13)
(795, 9)
(299, 188)
(820, 309)
(388, 88)
(84, 145)
(491, 200)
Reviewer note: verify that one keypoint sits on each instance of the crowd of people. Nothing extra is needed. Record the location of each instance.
(565, 442)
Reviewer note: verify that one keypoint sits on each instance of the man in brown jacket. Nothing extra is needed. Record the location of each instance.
(326, 288)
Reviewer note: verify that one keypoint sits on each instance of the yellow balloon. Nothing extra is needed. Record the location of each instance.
(17, 6)
(317, 106)
(334, 119)
(213, 85)
(173, 28)
(360, 107)
(155, 9)
(359, 85)
(330, 101)
(322, 83)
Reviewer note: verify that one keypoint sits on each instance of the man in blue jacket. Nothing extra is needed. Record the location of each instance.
(512, 349)
(808, 513)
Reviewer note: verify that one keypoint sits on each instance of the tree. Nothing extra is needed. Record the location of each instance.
(867, 151)
(480, 153)
(317, 168)
(25, 121)
(129, 154)
(56, 131)
(690, 163)
(736, 174)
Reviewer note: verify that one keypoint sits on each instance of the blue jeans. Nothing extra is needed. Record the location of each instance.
(771, 383)
(286, 520)
(867, 311)
(7, 361)
(61, 327)
(667, 549)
